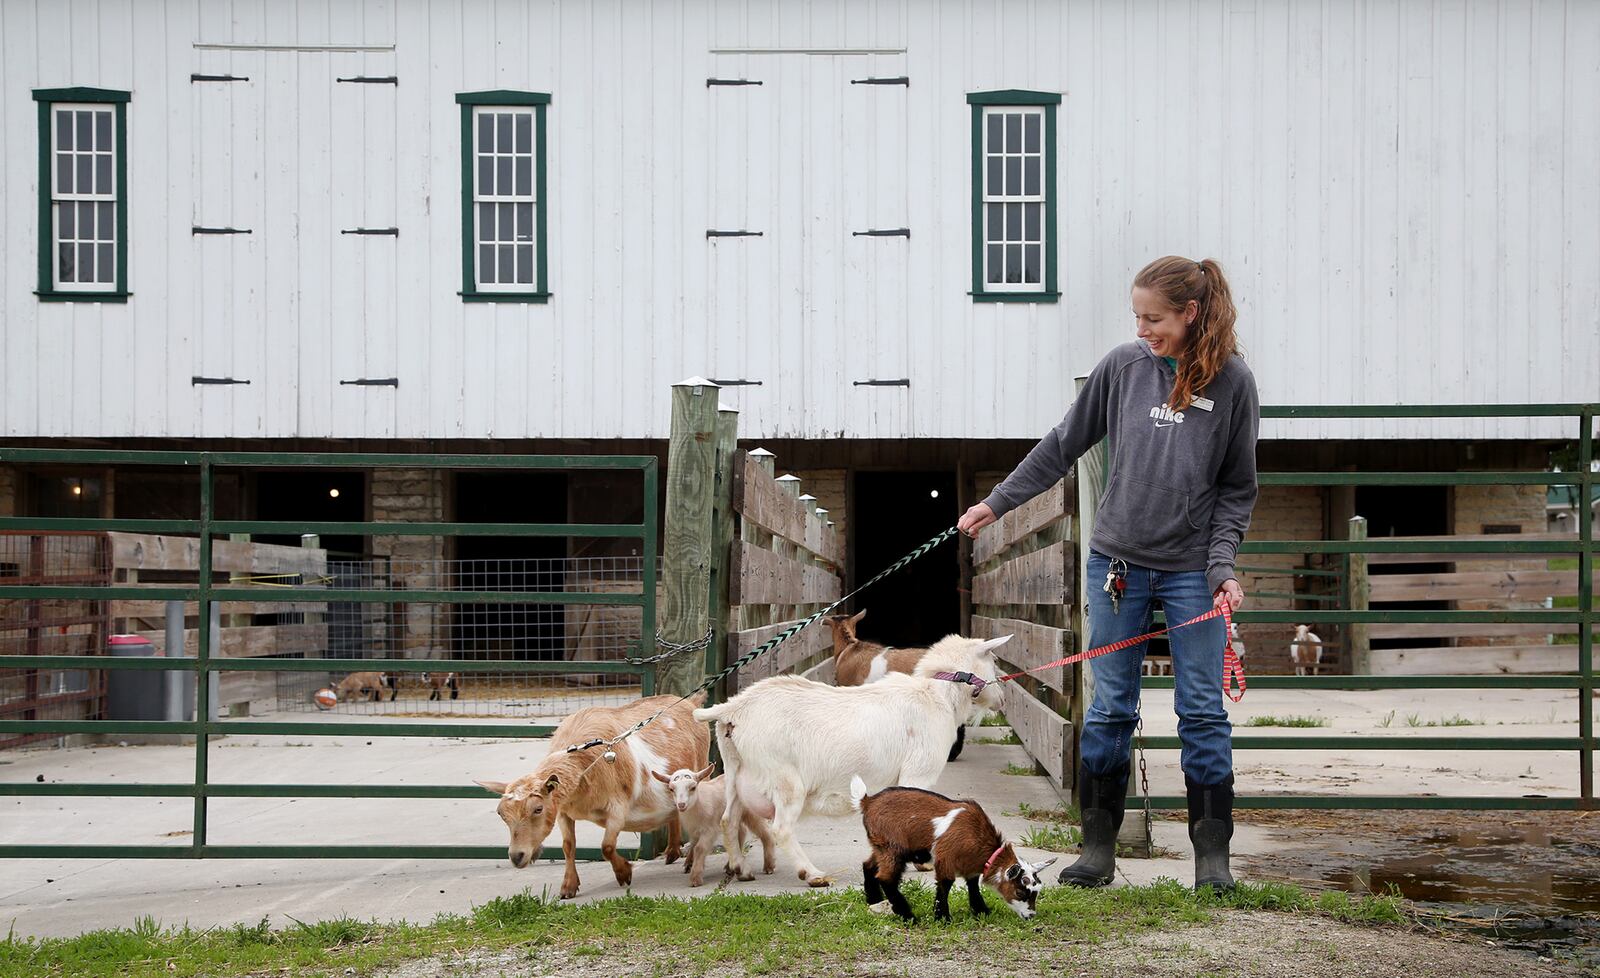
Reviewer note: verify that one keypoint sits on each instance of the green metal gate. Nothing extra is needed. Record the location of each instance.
(1583, 547)
(205, 726)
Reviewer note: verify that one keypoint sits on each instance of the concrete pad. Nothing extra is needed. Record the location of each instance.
(64, 897)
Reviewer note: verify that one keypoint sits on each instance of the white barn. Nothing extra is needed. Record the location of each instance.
(290, 224)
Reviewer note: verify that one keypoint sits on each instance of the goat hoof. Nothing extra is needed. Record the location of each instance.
(818, 881)
(924, 868)
(746, 877)
(567, 893)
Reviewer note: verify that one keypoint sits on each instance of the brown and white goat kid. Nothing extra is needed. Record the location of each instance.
(913, 825)
(440, 681)
(1305, 651)
(700, 803)
(617, 795)
(790, 746)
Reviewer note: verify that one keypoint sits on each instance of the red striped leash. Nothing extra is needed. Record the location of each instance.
(1232, 668)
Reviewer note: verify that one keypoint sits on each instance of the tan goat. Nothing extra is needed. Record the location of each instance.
(618, 795)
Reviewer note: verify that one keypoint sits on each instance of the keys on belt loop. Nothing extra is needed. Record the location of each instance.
(1116, 583)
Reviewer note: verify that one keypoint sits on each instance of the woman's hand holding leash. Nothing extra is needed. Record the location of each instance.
(975, 519)
(1230, 594)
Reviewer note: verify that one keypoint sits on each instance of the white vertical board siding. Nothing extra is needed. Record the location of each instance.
(1402, 194)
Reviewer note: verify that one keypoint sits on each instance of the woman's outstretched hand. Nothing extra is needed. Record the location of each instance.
(975, 519)
(1230, 594)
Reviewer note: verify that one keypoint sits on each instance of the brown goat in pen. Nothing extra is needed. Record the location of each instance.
(360, 685)
(914, 825)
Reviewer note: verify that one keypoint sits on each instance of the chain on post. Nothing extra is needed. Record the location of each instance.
(673, 649)
(1144, 779)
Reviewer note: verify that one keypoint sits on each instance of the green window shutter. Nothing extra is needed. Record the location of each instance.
(1046, 289)
(538, 291)
(117, 103)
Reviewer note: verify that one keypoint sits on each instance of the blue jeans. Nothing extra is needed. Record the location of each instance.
(1203, 726)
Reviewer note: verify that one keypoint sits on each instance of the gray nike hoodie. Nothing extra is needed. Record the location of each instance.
(1180, 485)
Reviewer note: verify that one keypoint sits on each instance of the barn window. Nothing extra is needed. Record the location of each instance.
(1014, 196)
(83, 213)
(503, 206)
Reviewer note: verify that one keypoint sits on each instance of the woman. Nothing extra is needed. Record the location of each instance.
(1181, 410)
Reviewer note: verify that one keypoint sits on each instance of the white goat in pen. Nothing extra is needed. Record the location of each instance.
(790, 746)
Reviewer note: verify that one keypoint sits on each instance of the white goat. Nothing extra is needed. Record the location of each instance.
(790, 746)
(700, 803)
(1305, 651)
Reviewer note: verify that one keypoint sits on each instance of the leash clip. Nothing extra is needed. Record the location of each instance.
(976, 682)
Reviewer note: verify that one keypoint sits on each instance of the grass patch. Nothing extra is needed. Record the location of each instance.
(1453, 720)
(1020, 770)
(1010, 740)
(1068, 815)
(764, 934)
(994, 720)
(1053, 837)
(1287, 721)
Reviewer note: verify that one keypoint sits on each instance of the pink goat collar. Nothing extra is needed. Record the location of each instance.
(992, 857)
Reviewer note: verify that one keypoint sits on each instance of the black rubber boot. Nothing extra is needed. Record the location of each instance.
(1210, 831)
(1103, 801)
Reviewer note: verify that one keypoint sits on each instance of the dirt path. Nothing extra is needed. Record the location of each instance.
(1246, 945)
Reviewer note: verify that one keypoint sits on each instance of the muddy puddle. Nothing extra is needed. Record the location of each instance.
(1531, 883)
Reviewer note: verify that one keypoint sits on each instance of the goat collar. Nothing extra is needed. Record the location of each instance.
(976, 682)
(992, 857)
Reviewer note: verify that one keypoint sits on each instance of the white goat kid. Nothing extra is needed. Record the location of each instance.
(700, 804)
(790, 746)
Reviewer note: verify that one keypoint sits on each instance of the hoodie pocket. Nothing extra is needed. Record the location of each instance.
(1148, 517)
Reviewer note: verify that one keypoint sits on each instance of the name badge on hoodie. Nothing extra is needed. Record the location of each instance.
(1204, 403)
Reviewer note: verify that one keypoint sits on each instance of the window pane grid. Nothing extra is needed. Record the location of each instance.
(503, 198)
(1013, 198)
(84, 197)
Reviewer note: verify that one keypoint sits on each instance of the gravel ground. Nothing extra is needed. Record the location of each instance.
(1245, 945)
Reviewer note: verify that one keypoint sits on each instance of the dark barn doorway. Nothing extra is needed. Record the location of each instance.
(1405, 511)
(510, 631)
(893, 513)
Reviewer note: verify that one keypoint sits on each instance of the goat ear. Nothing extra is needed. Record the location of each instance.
(989, 645)
(493, 787)
(1044, 865)
(857, 617)
(660, 777)
(551, 785)
(704, 772)
(1014, 871)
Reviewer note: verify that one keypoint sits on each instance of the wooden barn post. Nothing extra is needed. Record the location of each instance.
(727, 452)
(1355, 634)
(691, 491)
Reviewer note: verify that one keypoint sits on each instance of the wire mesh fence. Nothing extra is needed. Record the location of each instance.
(486, 631)
(57, 626)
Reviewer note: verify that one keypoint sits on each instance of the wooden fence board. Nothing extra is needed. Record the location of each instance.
(810, 642)
(1477, 660)
(1042, 577)
(759, 576)
(251, 641)
(153, 551)
(1031, 645)
(1043, 732)
(1511, 585)
(759, 499)
(1467, 630)
(1032, 516)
